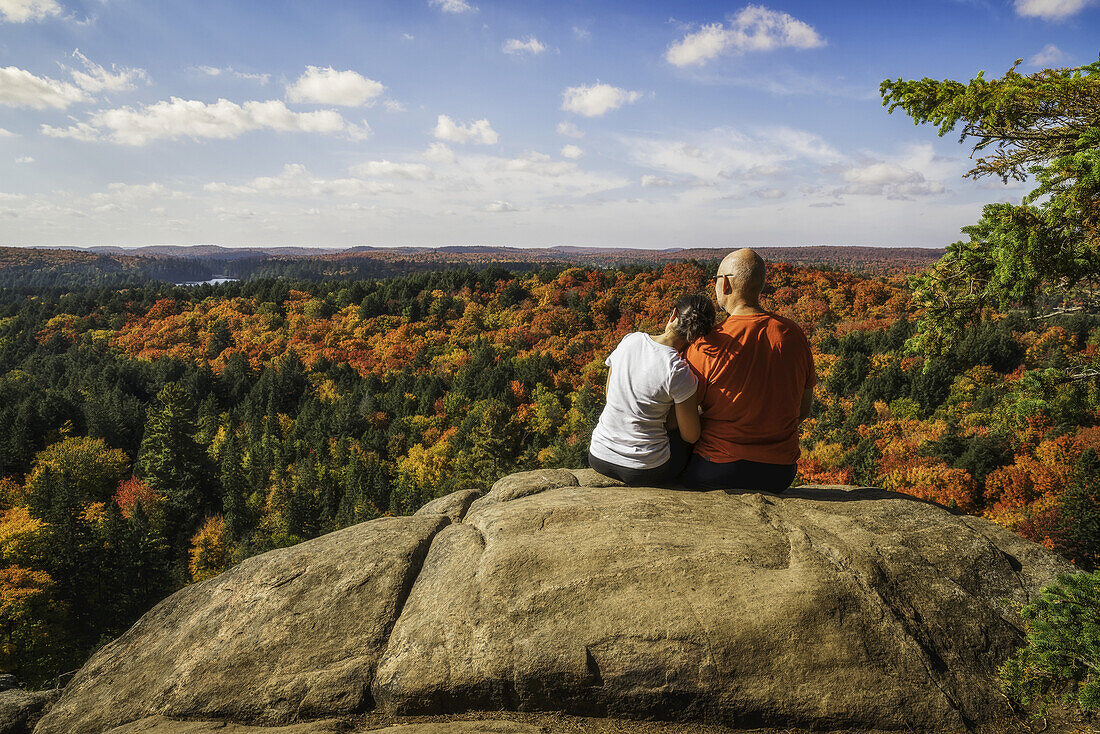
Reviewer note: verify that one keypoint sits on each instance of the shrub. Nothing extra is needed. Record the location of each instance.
(1061, 659)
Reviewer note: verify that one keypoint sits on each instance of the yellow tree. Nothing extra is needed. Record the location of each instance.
(211, 549)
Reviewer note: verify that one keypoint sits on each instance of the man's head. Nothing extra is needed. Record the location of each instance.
(741, 278)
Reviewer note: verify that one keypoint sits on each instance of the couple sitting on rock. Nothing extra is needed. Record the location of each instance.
(737, 391)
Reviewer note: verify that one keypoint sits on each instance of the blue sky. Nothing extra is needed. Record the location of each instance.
(498, 122)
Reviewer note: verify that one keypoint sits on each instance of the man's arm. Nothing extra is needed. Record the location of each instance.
(807, 401)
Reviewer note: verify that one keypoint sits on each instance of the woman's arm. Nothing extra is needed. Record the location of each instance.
(687, 417)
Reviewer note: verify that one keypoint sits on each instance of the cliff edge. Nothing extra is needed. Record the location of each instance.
(824, 608)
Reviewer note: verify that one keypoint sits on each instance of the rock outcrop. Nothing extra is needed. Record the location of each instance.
(19, 709)
(558, 591)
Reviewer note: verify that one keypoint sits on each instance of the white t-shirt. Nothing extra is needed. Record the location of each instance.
(647, 378)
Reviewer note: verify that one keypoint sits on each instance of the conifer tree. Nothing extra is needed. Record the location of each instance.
(235, 490)
(174, 464)
(1045, 125)
(1062, 656)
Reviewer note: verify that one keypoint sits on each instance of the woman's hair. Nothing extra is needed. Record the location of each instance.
(694, 317)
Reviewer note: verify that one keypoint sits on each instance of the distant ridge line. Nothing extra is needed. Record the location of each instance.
(798, 252)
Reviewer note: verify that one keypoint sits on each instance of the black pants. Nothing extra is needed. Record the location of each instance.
(666, 472)
(751, 475)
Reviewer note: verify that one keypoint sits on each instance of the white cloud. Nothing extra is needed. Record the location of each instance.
(708, 161)
(596, 99)
(383, 168)
(470, 180)
(184, 118)
(82, 131)
(1051, 9)
(97, 79)
(135, 191)
(649, 180)
(531, 46)
(709, 42)
(1048, 56)
(439, 153)
(20, 88)
(892, 180)
(362, 131)
(802, 144)
(227, 212)
(453, 6)
(753, 28)
(215, 71)
(539, 164)
(923, 158)
(21, 11)
(572, 152)
(726, 155)
(295, 180)
(499, 207)
(24, 159)
(769, 193)
(392, 105)
(581, 33)
(408, 36)
(455, 132)
(328, 86)
(877, 174)
(121, 195)
(7, 133)
(261, 78)
(569, 130)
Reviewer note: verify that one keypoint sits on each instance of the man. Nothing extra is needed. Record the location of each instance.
(756, 377)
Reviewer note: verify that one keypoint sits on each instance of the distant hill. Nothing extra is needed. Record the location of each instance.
(210, 252)
(878, 260)
(103, 265)
(57, 268)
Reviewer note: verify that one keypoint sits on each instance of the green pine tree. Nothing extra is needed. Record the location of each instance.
(174, 464)
(235, 490)
(1061, 659)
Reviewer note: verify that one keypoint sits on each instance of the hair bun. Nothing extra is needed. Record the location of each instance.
(694, 317)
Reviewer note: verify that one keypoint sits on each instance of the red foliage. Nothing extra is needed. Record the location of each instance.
(132, 491)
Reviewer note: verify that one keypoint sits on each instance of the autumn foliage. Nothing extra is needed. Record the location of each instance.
(152, 437)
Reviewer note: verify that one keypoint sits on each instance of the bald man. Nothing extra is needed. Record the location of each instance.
(756, 377)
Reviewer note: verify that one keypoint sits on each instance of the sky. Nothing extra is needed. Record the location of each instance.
(535, 123)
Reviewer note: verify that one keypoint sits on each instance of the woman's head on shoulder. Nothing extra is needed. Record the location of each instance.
(693, 316)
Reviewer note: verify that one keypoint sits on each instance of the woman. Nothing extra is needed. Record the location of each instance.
(651, 392)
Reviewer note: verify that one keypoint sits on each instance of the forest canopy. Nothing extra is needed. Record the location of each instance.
(153, 436)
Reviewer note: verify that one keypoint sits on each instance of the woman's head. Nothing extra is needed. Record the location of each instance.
(694, 317)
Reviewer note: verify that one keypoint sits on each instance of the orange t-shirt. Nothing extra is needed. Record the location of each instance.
(752, 372)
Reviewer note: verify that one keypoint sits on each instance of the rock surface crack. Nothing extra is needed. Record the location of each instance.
(412, 573)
